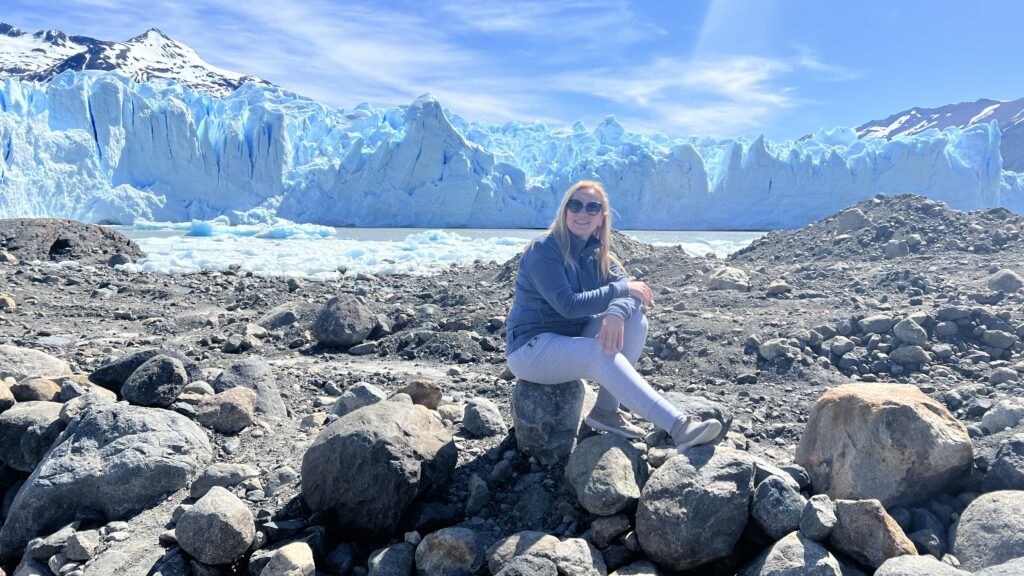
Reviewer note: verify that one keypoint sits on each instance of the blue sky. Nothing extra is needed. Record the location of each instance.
(719, 68)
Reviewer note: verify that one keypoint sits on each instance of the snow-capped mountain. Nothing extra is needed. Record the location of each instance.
(1009, 115)
(151, 55)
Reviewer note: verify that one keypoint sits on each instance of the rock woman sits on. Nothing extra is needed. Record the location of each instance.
(577, 315)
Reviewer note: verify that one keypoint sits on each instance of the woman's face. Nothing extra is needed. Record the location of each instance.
(582, 223)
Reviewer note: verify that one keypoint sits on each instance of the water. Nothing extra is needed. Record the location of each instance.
(321, 253)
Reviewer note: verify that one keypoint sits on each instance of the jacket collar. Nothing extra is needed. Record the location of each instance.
(578, 246)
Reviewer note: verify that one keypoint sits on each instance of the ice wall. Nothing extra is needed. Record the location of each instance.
(99, 147)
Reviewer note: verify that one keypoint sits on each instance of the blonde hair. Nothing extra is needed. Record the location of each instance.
(563, 236)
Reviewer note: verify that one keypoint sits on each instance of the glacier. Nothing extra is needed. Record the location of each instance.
(98, 147)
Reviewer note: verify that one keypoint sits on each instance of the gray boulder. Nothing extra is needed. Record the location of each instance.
(255, 374)
(1013, 567)
(877, 324)
(852, 219)
(27, 430)
(607, 473)
(395, 560)
(729, 278)
(917, 566)
(343, 322)
(703, 408)
(20, 363)
(483, 418)
(528, 566)
(909, 355)
(452, 551)
(115, 460)
(113, 375)
(1007, 470)
(910, 332)
(990, 531)
(222, 474)
(777, 507)
(356, 396)
(546, 418)
(819, 517)
(157, 382)
(694, 507)
(1005, 280)
(895, 249)
(228, 412)
(794, 554)
(998, 338)
(217, 529)
(280, 317)
(638, 568)
(866, 533)
(570, 556)
(370, 465)
(292, 559)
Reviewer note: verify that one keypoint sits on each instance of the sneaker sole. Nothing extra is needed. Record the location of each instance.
(611, 429)
(706, 436)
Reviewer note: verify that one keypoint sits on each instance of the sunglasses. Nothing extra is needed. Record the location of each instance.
(574, 206)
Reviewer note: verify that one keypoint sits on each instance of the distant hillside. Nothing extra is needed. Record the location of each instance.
(151, 55)
(1009, 114)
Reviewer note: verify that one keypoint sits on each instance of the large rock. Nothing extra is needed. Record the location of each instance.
(217, 529)
(395, 560)
(571, 556)
(293, 559)
(546, 418)
(482, 418)
(729, 278)
(607, 474)
(877, 324)
(255, 374)
(866, 533)
(694, 507)
(910, 332)
(453, 551)
(222, 474)
(356, 396)
(370, 465)
(114, 374)
(229, 412)
(27, 431)
(909, 355)
(794, 555)
(36, 390)
(884, 441)
(1007, 470)
(851, 219)
(917, 566)
(21, 363)
(157, 382)
(59, 239)
(113, 460)
(777, 507)
(1013, 567)
(343, 322)
(1005, 280)
(990, 531)
(528, 566)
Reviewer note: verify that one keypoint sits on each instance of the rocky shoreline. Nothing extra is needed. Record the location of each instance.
(868, 366)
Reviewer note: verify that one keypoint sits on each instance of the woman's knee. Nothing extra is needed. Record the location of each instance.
(637, 323)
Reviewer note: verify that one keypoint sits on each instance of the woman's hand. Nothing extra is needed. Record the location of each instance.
(641, 291)
(609, 337)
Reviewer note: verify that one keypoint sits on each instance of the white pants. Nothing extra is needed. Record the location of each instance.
(551, 359)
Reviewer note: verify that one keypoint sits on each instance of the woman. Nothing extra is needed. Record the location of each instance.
(577, 315)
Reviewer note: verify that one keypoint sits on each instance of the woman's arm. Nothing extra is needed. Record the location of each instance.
(624, 306)
(546, 269)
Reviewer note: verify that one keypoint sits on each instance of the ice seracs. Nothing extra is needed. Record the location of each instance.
(100, 147)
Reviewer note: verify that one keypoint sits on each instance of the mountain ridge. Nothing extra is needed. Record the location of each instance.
(42, 55)
(1009, 114)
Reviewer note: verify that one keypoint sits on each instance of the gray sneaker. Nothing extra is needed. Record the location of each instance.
(614, 422)
(690, 432)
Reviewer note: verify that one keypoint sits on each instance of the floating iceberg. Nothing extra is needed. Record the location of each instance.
(98, 147)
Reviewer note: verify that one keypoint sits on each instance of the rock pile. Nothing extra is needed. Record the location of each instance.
(220, 423)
